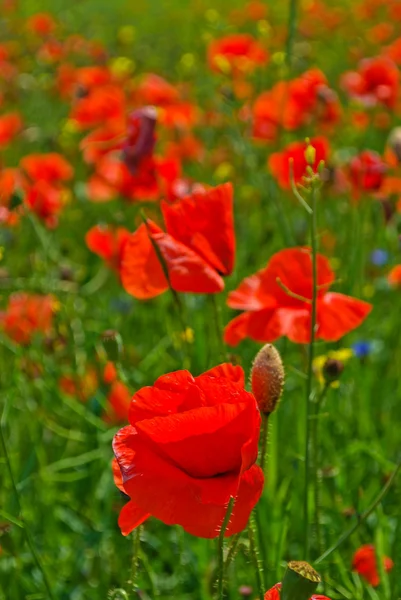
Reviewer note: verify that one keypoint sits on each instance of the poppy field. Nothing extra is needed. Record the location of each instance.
(200, 296)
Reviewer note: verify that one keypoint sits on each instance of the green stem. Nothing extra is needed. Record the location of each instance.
(220, 574)
(135, 557)
(218, 325)
(254, 555)
(232, 549)
(310, 373)
(22, 518)
(362, 517)
(315, 454)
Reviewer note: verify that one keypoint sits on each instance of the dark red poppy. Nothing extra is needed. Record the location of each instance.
(366, 172)
(238, 52)
(141, 138)
(191, 444)
(278, 302)
(108, 243)
(197, 249)
(375, 82)
(274, 594)
(27, 314)
(364, 562)
(279, 162)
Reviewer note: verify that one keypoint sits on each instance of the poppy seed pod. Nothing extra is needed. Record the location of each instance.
(267, 378)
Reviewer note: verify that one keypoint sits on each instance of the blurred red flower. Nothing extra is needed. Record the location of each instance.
(375, 82)
(366, 172)
(274, 594)
(277, 301)
(27, 314)
(10, 125)
(51, 167)
(364, 562)
(279, 162)
(108, 243)
(394, 277)
(198, 247)
(237, 53)
(42, 24)
(294, 104)
(191, 444)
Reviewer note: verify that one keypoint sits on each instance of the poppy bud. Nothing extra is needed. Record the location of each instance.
(112, 344)
(310, 155)
(299, 582)
(267, 378)
(332, 369)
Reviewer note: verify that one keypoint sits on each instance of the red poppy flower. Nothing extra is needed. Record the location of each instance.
(27, 314)
(394, 277)
(101, 106)
(108, 243)
(191, 444)
(46, 201)
(99, 142)
(279, 162)
(277, 301)
(375, 82)
(51, 167)
(366, 172)
(294, 104)
(154, 90)
(364, 562)
(42, 24)
(109, 373)
(240, 52)
(10, 125)
(119, 400)
(198, 247)
(274, 594)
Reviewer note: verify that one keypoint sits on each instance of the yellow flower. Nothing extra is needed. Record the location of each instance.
(341, 356)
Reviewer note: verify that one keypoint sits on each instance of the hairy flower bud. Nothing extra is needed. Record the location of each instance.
(267, 378)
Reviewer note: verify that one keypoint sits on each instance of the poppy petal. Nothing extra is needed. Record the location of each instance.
(141, 272)
(131, 516)
(338, 314)
(234, 373)
(204, 222)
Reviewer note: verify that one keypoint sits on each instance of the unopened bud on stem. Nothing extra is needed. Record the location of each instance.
(267, 378)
